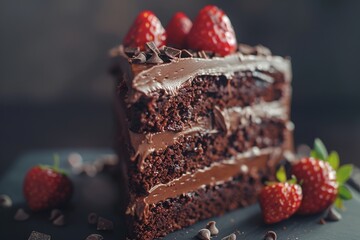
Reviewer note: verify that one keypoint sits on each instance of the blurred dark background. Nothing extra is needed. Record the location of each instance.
(55, 90)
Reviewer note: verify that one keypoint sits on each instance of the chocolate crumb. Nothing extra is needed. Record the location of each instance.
(230, 237)
(203, 234)
(322, 221)
(185, 54)
(92, 218)
(212, 228)
(5, 201)
(270, 235)
(59, 221)
(104, 224)
(54, 214)
(332, 215)
(139, 58)
(39, 236)
(154, 59)
(172, 52)
(94, 237)
(21, 215)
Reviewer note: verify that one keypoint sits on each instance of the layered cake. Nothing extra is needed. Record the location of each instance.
(200, 130)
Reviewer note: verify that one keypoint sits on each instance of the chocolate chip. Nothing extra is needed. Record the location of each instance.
(154, 59)
(39, 236)
(5, 201)
(139, 58)
(270, 235)
(131, 51)
(21, 215)
(172, 52)
(104, 224)
(94, 237)
(92, 218)
(54, 214)
(203, 234)
(230, 237)
(322, 221)
(202, 54)
(332, 215)
(185, 54)
(212, 228)
(152, 47)
(59, 221)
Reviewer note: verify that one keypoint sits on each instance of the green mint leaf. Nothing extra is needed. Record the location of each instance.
(334, 160)
(344, 193)
(339, 203)
(292, 180)
(314, 154)
(320, 149)
(281, 174)
(344, 173)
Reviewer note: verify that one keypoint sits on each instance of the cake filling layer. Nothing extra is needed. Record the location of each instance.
(216, 174)
(226, 120)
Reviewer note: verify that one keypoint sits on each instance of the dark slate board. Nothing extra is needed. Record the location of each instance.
(100, 194)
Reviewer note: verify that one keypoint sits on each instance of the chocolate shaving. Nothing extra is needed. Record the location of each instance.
(185, 54)
(246, 49)
(94, 237)
(152, 46)
(230, 237)
(154, 59)
(131, 51)
(104, 224)
(140, 58)
(21, 215)
(332, 215)
(55, 213)
(270, 235)
(172, 53)
(322, 221)
(92, 218)
(203, 234)
(203, 54)
(212, 228)
(59, 221)
(5, 201)
(261, 50)
(39, 236)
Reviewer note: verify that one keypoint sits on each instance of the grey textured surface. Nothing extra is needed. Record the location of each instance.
(100, 194)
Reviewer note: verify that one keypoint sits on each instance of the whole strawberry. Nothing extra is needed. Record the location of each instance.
(318, 183)
(280, 200)
(177, 30)
(322, 185)
(46, 187)
(212, 31)
(146, 28)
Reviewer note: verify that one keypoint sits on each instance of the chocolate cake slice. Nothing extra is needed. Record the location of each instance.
(200, 133)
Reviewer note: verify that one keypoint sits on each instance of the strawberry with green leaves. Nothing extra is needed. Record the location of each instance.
(322, 180)
(47, 187)
(280, 200)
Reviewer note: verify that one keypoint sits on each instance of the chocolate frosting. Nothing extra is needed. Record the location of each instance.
(171, 76)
